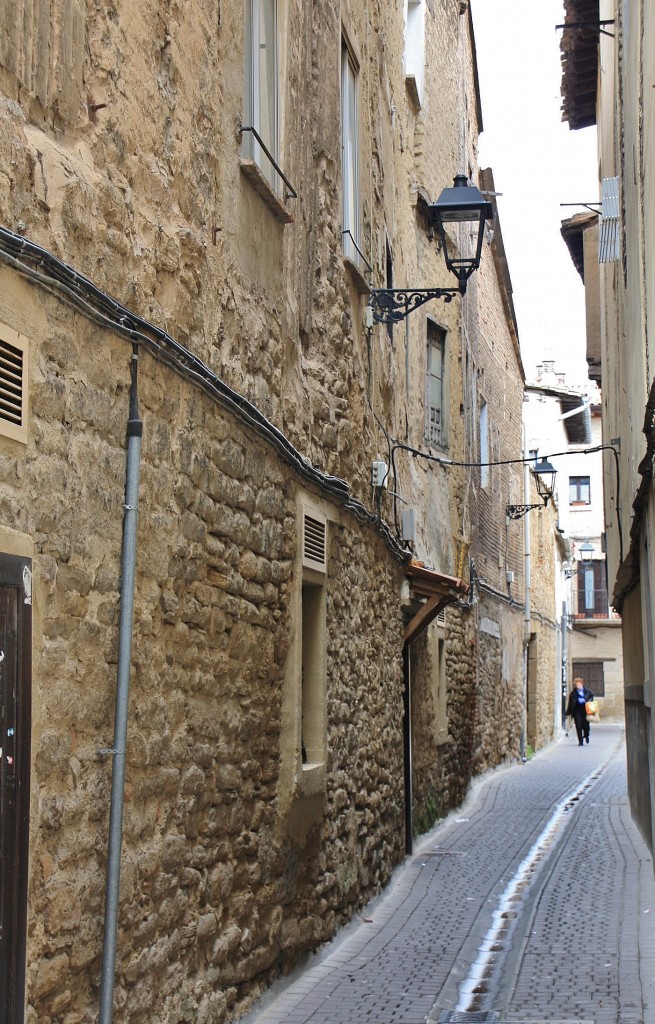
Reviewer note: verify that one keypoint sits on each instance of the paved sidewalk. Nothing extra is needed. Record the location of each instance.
(485, 921)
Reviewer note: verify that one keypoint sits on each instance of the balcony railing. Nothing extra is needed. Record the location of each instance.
(592, 604)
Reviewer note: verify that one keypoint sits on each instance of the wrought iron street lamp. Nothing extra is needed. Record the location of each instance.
(462, 204)
(586, 555)
(544, 475)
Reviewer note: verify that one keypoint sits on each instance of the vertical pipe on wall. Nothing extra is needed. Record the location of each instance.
(407, 747)
(128, 572)
(527, 600)
(564, 671)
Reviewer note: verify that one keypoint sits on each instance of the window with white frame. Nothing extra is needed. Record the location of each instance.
(435, 427)
(349, 156)
(579, 490)
(261, 92)
(415, 49)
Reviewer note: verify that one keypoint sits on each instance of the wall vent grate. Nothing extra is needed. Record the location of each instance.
(314, 547)
(13, 384)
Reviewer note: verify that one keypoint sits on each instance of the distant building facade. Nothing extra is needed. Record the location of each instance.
(605, 83)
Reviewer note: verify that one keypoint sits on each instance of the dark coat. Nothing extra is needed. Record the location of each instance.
(575, 709)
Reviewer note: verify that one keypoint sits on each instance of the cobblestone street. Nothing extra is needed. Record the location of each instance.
(534, 902)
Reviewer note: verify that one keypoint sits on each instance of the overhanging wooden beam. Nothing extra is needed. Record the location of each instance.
(438, 590)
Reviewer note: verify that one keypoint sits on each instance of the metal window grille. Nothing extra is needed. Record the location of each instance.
(608, 240)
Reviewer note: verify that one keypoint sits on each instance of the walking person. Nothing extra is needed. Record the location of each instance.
(576, 709)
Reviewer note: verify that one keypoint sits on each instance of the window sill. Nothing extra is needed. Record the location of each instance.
(356, 276)
(313, 779)
(412, 91)
(250, 169)
(441, 446)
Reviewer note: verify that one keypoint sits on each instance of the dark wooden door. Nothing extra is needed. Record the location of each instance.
(15, 728)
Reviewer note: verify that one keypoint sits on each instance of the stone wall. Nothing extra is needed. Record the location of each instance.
(234, 863)
(217, 894)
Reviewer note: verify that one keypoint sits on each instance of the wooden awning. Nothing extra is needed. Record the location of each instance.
(437, 591)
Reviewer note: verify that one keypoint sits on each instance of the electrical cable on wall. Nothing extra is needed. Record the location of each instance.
(39, 266)
(443, 461)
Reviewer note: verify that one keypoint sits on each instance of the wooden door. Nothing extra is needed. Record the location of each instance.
(15, 729)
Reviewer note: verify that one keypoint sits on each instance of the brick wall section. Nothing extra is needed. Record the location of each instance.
(545, 671)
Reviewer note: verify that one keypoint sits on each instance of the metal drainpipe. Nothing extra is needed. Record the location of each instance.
(128, 572)
(526, 609)
(564, 672)
(407, 748)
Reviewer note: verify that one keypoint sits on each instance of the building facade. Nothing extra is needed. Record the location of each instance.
(196, 201)
(566, 420)
(607, 82)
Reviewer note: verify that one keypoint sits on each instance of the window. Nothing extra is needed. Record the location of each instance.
(415, 50)
(349, 158)
(262, 86)
(592, 592)
(439, 681)
(434, 405)
(484, 444)
(313, 739)
(13, 384)
(593, 675)
(313, 729)
(579, 490)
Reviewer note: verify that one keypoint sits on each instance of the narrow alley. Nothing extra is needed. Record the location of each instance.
(531, 903)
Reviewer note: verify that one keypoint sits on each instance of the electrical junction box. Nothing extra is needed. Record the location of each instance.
(379, 474)
(409, 525)
(510, 576)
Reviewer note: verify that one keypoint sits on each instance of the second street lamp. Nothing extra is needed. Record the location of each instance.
(463, 204)
(544, 476)
(586, 556)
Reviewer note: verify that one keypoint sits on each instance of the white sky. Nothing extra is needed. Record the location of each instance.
(538, 163)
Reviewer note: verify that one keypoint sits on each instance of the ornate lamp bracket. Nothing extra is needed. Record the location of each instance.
(518, 511)
(391, 305)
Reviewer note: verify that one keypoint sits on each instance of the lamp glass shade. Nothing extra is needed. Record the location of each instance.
(545, 474)
(586, 552)
(462, 204)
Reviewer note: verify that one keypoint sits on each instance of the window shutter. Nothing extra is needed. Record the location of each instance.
(608, 241)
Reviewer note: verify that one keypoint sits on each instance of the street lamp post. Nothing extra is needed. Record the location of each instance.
(461, 204)
(586, 555)
(544, 475)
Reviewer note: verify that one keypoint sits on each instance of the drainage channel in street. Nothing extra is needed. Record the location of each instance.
(477, 991)
(491, 1017)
